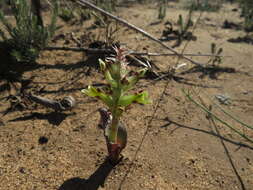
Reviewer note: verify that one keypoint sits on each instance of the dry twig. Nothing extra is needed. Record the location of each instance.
(66, 103)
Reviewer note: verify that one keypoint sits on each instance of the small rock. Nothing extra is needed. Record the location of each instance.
(43, 140)
(223, 99)
(22, 170)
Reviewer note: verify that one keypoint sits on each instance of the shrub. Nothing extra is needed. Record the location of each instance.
(247, 13)
(107, 5)
(203, 5)
(162, 9)
(66, 14)
(24, 41)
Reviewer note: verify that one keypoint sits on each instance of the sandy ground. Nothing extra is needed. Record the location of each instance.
(181, 149)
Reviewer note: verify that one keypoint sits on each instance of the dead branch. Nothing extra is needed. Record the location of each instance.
(66, 103)
(129, 25)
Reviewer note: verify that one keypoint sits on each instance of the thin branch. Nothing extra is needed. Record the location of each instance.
(108, 51)
(216, 117)
(229, 114)
(129, 25)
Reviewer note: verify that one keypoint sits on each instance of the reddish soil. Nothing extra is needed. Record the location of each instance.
(181, 147)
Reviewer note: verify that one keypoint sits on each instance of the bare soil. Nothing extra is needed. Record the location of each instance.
(180, 148)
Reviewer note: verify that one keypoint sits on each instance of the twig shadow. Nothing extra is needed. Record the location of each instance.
(178, 79)
(222, 139)
(90, 62)
(170, 122)
(96, 180)
(244, 39)
(211, 71)
(54, 118)
(229, 156)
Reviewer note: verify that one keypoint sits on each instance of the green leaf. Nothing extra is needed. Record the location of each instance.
(114, 69)
(213, 48)
(141, 98)
(142, 72)
(1, 15)
(102, 64)
(129, 82)
(93, 92)
(180, 22)
(132, 80)
(107, 74)
(90, 91)
(109, 79)
(127, 100)
(219, 51)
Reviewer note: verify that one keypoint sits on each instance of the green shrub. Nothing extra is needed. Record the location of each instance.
(23, 41)
(215, 60)
(162, 9)
(247, 13)
(107, 5)
(204, 5)
(66, 14)
(69, 11)
(85, 14)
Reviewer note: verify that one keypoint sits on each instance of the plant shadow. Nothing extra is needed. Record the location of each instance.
(169, 34)
(11, 69)
(211, 71)
(96, 180)
(245, 39)
(226, 150)
(54, 118)
(86, 68)
(90, 62)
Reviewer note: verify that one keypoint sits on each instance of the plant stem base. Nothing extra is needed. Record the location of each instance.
(114, 151)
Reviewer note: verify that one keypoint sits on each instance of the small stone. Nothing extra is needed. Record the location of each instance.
(43, 140)
(22, 170)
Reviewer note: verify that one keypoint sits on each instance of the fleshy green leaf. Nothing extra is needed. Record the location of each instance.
(93, 92)
(141, 98)
(90, 91)
(107, 74)
(127, 100)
